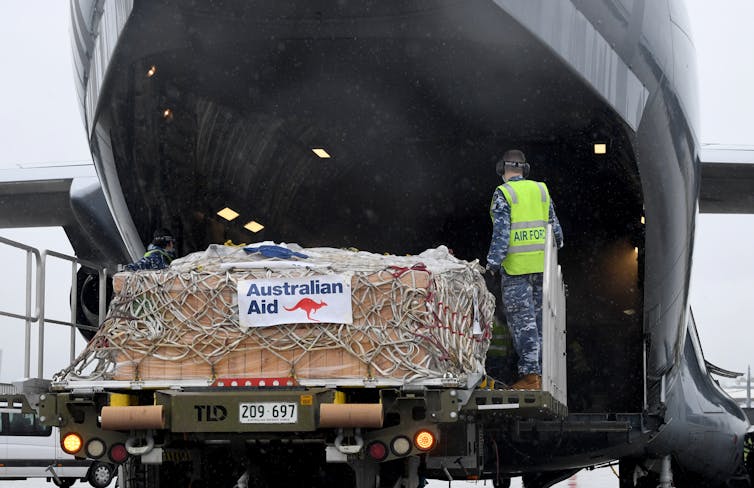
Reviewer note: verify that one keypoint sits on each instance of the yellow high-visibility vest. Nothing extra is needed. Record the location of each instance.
(164, 254)
(529, 202)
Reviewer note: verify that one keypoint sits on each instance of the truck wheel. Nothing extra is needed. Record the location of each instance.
(100, 474)
(167, 475)
(64, 482)
(137, 475)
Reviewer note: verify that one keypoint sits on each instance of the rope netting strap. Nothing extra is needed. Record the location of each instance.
(409, 323)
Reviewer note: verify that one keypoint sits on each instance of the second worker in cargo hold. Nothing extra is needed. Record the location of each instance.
(520, 211)
(159, 255)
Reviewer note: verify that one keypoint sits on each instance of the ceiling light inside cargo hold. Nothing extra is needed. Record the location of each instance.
(228, 213)
(600, 148)
(167, 114)
(151, 71)
(253, 226)
(321, 153)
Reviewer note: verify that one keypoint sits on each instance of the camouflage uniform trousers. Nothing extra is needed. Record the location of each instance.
(522, 299)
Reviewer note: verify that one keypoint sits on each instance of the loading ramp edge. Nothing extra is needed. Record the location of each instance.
(516, 403)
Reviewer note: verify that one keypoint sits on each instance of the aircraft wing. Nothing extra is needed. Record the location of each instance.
(727, 179)
(67, 196)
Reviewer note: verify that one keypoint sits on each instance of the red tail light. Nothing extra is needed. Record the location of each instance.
(118, 453)
(377, 450)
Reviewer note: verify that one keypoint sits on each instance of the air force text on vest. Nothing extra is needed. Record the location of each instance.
(264, 305)
(524, 235)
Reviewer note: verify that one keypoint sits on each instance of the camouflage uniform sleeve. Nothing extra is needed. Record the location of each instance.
(501, 230)
(556, 229)
(142, 263)
(157, 261)
(150, 261)
(146, 262)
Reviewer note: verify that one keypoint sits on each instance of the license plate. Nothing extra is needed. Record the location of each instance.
(268, 413)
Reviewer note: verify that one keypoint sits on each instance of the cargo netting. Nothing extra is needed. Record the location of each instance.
(415, 318)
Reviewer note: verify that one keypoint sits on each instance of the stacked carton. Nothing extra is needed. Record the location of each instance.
(183, 324)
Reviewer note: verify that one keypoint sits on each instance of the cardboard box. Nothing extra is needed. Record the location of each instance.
(392, 329)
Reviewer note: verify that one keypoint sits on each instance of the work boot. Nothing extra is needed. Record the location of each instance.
(528, 382)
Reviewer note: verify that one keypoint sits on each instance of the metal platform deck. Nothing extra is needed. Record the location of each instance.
(516, 403)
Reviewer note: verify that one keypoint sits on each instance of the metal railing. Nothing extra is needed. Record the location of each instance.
(35, 291)
(553, 323)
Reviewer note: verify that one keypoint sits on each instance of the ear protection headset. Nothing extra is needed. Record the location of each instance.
(162, 237)
(500, 167)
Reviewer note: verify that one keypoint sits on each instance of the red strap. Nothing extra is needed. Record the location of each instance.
(400, 271)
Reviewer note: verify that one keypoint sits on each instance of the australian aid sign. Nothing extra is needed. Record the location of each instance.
(272, 301)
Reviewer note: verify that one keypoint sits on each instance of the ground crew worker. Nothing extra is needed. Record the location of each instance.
(160, 253)
(520, 211)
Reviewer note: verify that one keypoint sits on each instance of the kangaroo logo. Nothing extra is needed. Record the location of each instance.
(309, 306)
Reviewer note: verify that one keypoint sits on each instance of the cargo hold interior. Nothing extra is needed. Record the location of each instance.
(414, 114)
